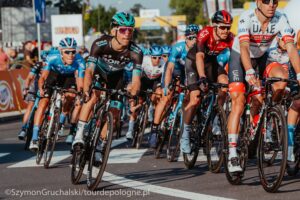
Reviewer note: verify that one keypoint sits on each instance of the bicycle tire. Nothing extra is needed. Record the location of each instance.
(92, 185)
(78, 162)
(175, 134)
(29, 130)
(41, 142)
(215, 167)
(281, 128)
(142, 126)
(51, 141)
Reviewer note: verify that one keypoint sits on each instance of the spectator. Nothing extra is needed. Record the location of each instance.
(28, 54)
(4, 60)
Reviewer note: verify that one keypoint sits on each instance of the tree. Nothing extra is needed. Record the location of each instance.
(100, 19)
(135, 10)
(67, 6)
(193, 9)
(239, 3)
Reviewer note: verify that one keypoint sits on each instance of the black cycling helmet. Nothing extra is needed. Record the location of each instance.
(222, 16)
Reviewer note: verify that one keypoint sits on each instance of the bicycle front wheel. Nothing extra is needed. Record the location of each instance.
(100, 150)
(142, 126)
(272, 149)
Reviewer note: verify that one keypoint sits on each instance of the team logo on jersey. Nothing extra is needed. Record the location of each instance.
(101, 43)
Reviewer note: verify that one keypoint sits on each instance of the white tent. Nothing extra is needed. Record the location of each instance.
(292, 10)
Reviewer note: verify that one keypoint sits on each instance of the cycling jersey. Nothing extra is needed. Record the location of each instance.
(277, 55)
(207, 44)
(128, 73)
(54, 63)
(150, 71)
(177, 56)
(249, 30)
(108, 60)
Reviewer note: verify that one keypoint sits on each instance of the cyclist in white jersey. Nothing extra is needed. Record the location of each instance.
(256, 30)
(152, 69)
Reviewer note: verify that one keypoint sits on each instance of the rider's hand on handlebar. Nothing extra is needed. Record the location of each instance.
(251, 77)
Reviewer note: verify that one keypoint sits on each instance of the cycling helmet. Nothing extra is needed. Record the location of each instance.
(222, 16)
(191, 29)
(122, 19)
(68, 42)
(166, 49)
(155, 50)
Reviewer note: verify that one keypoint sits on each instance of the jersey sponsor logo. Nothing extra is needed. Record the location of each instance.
(101, 43)
(203, 34)
(242, 30)
(256, 28)
(235, 74)
(242, 21)
(92, 59)
(135, 49)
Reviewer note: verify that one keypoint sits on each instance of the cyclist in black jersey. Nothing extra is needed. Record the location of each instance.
(108, 57)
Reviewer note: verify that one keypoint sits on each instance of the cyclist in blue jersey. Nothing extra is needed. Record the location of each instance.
(60, 69)
(175, 67)
(31, 86)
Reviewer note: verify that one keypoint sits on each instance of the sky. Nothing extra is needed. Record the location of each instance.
(125, 5)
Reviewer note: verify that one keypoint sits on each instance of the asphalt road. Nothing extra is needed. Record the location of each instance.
(131, 173)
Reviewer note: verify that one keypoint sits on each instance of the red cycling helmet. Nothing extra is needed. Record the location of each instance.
(222, 16)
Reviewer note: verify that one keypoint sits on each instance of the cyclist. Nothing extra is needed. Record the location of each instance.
(31, 86)
(175, 67)
(256, 30)
(202, 63)
(108, 57)
(277, 54)
(60, 70)
(151, 79)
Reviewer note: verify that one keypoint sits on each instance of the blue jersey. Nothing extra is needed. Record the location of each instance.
(54, 63)
(128, 73)
(177, 56)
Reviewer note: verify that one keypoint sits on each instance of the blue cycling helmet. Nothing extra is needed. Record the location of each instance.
(68, 42)
(166, 49)
(192, 29)
(155, 50)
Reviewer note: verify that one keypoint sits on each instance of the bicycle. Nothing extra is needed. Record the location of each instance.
(272, 139)
(102, 118)
(202, 135)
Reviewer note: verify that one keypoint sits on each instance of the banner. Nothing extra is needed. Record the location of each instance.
(66, 26)
(11, 86)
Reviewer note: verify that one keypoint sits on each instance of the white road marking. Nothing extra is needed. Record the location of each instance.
(3, 154)
(149, 188)
(125, 155)
(201, 156)
(57, 157)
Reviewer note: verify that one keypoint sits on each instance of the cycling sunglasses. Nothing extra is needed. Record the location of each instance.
(68, 52)
(223, 27)
(124, 29)
(191, 37)
(165, 56)
(156, 57)
(268, 1)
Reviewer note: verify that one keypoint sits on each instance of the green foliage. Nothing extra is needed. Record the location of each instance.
(239, 3)
(135, 10)
(193, 9)
(100, 19)
(68, 6)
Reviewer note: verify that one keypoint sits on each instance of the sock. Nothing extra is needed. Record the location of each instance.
(154, 128)
(24, 126)
(291, 131)
(232, 140)
(80, 129)
(131, 126)
(62, 118)
(73, 128)
(186, 131)
(35, 132)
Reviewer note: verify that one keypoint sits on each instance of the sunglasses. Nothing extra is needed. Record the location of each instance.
(223, 27)
(268, 1)
(165, 56)
(191, 37)
(156, 57)
(68, 52)
(123, 30)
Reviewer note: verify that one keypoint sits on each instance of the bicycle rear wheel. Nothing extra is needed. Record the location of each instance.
(272, 150)
(191, 158)
(51, 140)
(41, 142)
(142, 126)
(78, 163)
(96, 168)
(215, 140)
(173, 143)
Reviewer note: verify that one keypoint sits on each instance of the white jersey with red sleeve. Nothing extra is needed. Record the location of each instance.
(150, 71)
(249, 30)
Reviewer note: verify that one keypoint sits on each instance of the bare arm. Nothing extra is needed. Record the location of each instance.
(169, 72)
(294, 56)
(29, 80)
(42, 79)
